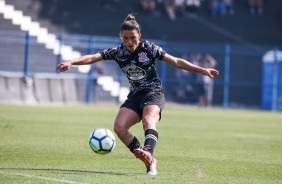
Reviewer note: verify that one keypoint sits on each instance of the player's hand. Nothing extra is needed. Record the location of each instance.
(64, 66)
(210, 72)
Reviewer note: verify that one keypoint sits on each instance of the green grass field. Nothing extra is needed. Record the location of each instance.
(50, 145)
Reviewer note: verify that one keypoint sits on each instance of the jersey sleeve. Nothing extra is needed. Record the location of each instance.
(109, 54)
(158, 52)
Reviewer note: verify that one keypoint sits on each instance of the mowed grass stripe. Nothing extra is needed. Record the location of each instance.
(195, 146)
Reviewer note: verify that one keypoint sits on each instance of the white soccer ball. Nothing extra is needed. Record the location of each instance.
(102, 141)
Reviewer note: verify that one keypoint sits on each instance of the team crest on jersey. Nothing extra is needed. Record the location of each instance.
(143, 57)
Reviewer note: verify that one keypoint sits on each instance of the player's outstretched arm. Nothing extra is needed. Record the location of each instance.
(186, 65)
(210, 72)
(83, 60)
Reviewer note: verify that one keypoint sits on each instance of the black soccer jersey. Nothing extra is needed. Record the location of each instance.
(140, 66)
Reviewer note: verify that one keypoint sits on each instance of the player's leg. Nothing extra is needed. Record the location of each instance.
(124, 120)
(151, 114)
(153, 104)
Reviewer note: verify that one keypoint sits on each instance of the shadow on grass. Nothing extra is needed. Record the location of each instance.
(67, 171)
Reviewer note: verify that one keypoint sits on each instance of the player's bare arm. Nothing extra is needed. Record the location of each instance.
(186, 65)
(83, 60)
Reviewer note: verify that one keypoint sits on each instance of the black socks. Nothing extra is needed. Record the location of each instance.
(151, 138)
(134, 144)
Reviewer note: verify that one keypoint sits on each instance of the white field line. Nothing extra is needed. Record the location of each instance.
(41, 177)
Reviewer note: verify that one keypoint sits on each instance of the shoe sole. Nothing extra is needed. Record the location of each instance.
(142, 156)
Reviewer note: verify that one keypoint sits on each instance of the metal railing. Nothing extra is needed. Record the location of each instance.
(241, 68)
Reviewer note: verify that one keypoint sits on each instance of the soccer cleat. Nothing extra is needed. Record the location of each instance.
(144, 155)
(152, 169)
(148, 159)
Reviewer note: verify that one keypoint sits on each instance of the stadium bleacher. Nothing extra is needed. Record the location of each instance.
(91, 17)
(256, 34)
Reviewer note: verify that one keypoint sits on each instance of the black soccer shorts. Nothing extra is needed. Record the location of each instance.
(136, 101)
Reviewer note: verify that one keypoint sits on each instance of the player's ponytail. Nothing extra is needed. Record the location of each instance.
(130, 23)
(130, 17)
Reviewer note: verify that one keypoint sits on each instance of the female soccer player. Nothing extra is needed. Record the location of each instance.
(137, 59)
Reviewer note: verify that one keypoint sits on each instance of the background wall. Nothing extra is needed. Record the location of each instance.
(248, 36)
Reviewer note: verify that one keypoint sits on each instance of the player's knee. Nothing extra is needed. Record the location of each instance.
(119, 129)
